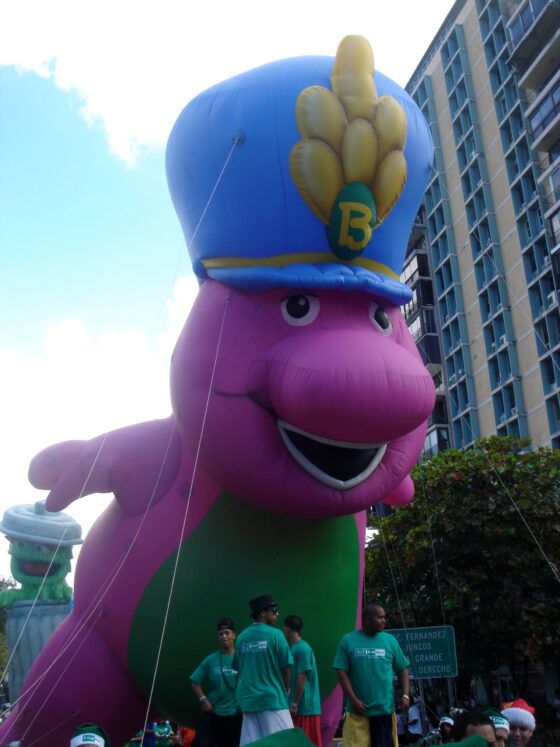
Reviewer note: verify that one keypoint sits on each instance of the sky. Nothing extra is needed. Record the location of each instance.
(95, 281)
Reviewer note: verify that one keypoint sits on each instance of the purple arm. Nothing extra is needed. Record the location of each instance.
(137, 464)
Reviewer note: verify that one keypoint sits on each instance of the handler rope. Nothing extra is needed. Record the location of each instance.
(429, 523)
(81, 643)
(551, 565)
(94, 604)
(103, 590)
(547, 347)
(23, 627)
(43, 580)
(191, 487)
(397, 565)
(380, 524)
(238, 139)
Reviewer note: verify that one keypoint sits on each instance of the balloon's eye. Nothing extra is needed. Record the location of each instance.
(380, 319)
(300, 310)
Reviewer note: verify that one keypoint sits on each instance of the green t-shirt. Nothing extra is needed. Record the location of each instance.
(163, 734)
(220, 678)
(371, 662)
(261, 653)
(304, 661)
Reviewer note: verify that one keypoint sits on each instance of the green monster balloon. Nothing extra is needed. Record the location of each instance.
(41, 549)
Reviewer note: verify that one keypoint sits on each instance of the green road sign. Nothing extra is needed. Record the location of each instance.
(431, 651)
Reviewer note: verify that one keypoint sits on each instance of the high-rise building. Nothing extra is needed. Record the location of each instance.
(489, 233)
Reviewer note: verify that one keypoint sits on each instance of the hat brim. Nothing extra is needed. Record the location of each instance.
(261, 609)
(38, 538)
(519, 716)
(328, 276)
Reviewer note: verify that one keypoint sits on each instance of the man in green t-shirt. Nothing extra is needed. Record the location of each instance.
(220, 725)
(365, 663)
(305, 700)
(163, 734)
(263, 660)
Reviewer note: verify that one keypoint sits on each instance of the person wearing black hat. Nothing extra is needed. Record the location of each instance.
(263, 660)
(220, 725)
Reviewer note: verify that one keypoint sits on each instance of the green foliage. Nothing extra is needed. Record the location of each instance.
(5, 583)
(461, 553)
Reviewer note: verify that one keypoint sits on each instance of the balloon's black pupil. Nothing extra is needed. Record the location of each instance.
(381, 318)
(297, 306)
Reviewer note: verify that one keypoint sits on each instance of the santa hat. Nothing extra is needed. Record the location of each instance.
(519, 712)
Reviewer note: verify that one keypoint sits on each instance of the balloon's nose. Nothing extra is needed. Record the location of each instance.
(344, 385)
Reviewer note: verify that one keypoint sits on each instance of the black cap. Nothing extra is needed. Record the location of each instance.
(258, 604)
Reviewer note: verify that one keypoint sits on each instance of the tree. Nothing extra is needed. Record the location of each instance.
(5, 583)
(461, 554)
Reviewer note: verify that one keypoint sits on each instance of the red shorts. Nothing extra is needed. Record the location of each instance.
(311, 726)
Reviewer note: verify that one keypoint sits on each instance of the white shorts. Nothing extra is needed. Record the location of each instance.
(258, 725)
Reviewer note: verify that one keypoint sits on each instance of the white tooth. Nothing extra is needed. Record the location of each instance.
(318, 474)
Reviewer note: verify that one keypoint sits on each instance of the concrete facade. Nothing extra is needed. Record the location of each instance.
(489, 86)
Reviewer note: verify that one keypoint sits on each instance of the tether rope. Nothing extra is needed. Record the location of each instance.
(188, 502)
(429, 523)
(39, 590)
(550, 564)
(51, 691)
(237, 140)
(380, 524)
(93, 605)
(96, 601)
(43, 580)
(477, 445)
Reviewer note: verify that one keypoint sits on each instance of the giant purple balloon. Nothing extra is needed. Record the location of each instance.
(299, 399)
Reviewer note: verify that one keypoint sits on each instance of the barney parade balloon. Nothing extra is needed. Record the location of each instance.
(298, 398)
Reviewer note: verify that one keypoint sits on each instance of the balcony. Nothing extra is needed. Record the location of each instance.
(543, 67)
(544, 120)
(532, 27)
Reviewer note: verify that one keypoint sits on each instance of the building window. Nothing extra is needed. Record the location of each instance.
(555, 226)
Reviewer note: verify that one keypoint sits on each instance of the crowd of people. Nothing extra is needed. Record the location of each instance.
(513, 725)
(264, 681)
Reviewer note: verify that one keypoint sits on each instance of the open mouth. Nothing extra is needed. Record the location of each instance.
(38, 569)
(340, 464)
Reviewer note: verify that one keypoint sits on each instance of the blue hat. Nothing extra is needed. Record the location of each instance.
(234, 158)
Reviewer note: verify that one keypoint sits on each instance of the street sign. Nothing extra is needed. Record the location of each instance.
(431, 651)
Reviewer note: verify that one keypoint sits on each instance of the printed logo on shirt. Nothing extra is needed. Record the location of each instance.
(370, 653)
(228, 671)
(254, 648)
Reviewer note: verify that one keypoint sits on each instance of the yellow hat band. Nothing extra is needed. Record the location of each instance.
(284, 260)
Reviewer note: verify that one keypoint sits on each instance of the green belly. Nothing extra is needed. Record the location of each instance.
(311, 567)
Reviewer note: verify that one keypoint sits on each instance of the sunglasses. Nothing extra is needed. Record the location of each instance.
(273, 608)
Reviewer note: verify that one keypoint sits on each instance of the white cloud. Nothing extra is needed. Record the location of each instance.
(136, 63)
(178, 308)
(78, 387)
